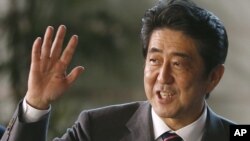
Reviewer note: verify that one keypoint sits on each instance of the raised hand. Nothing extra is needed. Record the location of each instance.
(48, 78)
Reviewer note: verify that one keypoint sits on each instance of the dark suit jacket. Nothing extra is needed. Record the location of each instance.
(126, 122)
(1, 131)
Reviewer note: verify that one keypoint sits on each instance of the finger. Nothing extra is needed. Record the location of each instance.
(74, 74)
(58, 42)
(36, 53)
(47, 41)
(36, 50)
(69, 50)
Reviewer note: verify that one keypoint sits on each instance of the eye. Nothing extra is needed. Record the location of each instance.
(180, 65)
(177, 64)
(154, 61)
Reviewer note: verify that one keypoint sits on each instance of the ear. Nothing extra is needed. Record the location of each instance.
(215, 77)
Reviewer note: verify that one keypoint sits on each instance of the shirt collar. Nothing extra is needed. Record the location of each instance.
(191, 132)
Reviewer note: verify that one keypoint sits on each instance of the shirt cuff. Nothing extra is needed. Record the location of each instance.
(31, 114)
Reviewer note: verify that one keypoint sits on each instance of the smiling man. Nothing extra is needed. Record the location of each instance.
(185, 48)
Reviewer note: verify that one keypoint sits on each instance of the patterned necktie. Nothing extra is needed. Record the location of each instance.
(170, 137)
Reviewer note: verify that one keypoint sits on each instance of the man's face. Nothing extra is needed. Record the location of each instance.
(174, 79)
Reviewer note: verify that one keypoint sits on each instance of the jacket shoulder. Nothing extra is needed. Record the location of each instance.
(109, 122)
(217, 127)
(119, 111)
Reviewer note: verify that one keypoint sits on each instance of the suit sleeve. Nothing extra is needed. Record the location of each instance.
(18, 130)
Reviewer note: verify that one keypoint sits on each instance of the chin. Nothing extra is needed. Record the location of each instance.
(163, 112)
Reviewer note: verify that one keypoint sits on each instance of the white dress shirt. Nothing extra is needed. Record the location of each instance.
(191, 132)
(30, 114)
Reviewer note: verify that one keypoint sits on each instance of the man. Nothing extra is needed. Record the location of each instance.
(1, 131)
(185, 48)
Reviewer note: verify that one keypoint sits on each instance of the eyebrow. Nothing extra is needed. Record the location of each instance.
(180, 54)
(154, 49)
(183, 55)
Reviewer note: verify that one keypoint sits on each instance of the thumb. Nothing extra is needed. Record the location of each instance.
(74, 74)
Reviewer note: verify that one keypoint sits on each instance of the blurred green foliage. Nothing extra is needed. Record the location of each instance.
(109, 48)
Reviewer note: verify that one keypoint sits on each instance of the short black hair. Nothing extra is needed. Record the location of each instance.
(200, 24)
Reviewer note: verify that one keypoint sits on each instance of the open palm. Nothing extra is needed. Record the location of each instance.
(48, 78)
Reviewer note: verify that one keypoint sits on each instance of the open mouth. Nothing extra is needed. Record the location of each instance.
(165, 94)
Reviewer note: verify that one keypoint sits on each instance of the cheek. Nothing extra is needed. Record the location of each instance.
(191, 85)
(149, 75)
(149, 79)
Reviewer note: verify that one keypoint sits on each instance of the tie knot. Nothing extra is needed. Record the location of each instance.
(170, 137)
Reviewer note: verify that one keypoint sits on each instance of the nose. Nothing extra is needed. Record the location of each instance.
(165, 75)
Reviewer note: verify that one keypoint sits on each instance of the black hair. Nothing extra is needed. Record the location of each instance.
(201, 25)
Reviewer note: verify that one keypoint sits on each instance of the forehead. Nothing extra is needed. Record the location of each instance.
(169, 41)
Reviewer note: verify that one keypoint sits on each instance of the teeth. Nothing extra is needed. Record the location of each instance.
(165, 94)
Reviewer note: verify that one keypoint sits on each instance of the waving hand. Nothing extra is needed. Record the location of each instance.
(48, 78)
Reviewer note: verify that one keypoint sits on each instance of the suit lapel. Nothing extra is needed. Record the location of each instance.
(140, 125)
(214, 129)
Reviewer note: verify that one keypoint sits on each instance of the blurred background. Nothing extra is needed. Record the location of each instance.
(110, 50)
